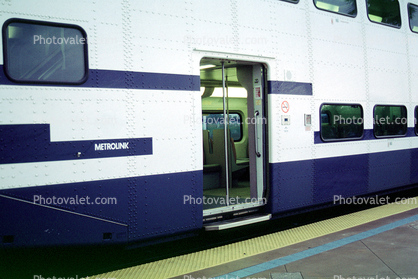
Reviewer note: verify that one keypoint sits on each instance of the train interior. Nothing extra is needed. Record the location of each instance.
(213, 123)
(229, 172)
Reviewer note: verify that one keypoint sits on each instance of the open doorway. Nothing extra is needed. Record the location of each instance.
(233, 128)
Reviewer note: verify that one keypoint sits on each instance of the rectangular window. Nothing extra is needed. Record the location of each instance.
(345, 7)
(413, 17)
(43, 52)
(341, 122)
(385, 12)
(390, 121)
(216, 121)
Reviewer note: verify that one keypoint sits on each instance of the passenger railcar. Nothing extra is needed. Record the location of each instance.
(125, 121)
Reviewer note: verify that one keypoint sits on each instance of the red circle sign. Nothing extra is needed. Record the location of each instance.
(285, 106)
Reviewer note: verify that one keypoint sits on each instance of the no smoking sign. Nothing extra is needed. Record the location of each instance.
(285, 107)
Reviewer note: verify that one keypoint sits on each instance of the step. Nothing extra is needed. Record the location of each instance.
(237, 222)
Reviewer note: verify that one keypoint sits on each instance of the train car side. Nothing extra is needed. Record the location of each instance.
(109, 113)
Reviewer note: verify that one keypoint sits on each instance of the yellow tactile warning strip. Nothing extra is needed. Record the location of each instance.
(187, 264)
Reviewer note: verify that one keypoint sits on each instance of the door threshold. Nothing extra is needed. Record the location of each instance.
(231, 208)
(237, 222)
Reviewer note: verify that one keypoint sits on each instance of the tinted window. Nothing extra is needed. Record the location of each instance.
(413, 17)
(38, 52)
(390, 121)
(341, 121)
(216, 121)
(345, 7)
(384, 11)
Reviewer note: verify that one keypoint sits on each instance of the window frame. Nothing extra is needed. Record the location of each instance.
(49, 24)
(382, 23)
(389, 136)
(338, 13)
(291, 1)
(340, 139)
(409, 18)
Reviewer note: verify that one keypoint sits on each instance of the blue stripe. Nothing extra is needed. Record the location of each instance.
(126, 80)
(290, 88)
(157, 81)
(368, 134)
(315, 251)
(146, 204)
(300, 184)
(26, 143)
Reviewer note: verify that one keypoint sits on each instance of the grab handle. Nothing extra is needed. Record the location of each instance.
(256, 114)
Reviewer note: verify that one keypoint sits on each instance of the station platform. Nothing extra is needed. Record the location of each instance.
(377, 243)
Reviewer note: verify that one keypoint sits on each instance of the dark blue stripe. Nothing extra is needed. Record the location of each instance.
(301, 184)
(290, 88)
(158, 81)
(346, 176)
(127, 80)
(242, 273)
(146, 204)
(367, 135)
(26, 143)
(411, 132)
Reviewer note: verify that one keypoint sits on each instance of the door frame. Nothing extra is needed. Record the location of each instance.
(261, 190)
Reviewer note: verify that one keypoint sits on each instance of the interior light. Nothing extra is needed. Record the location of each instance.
(237, 92)
(13, 31)
(208, 66)
(375, 18)
(328, 7)
(233, 92)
